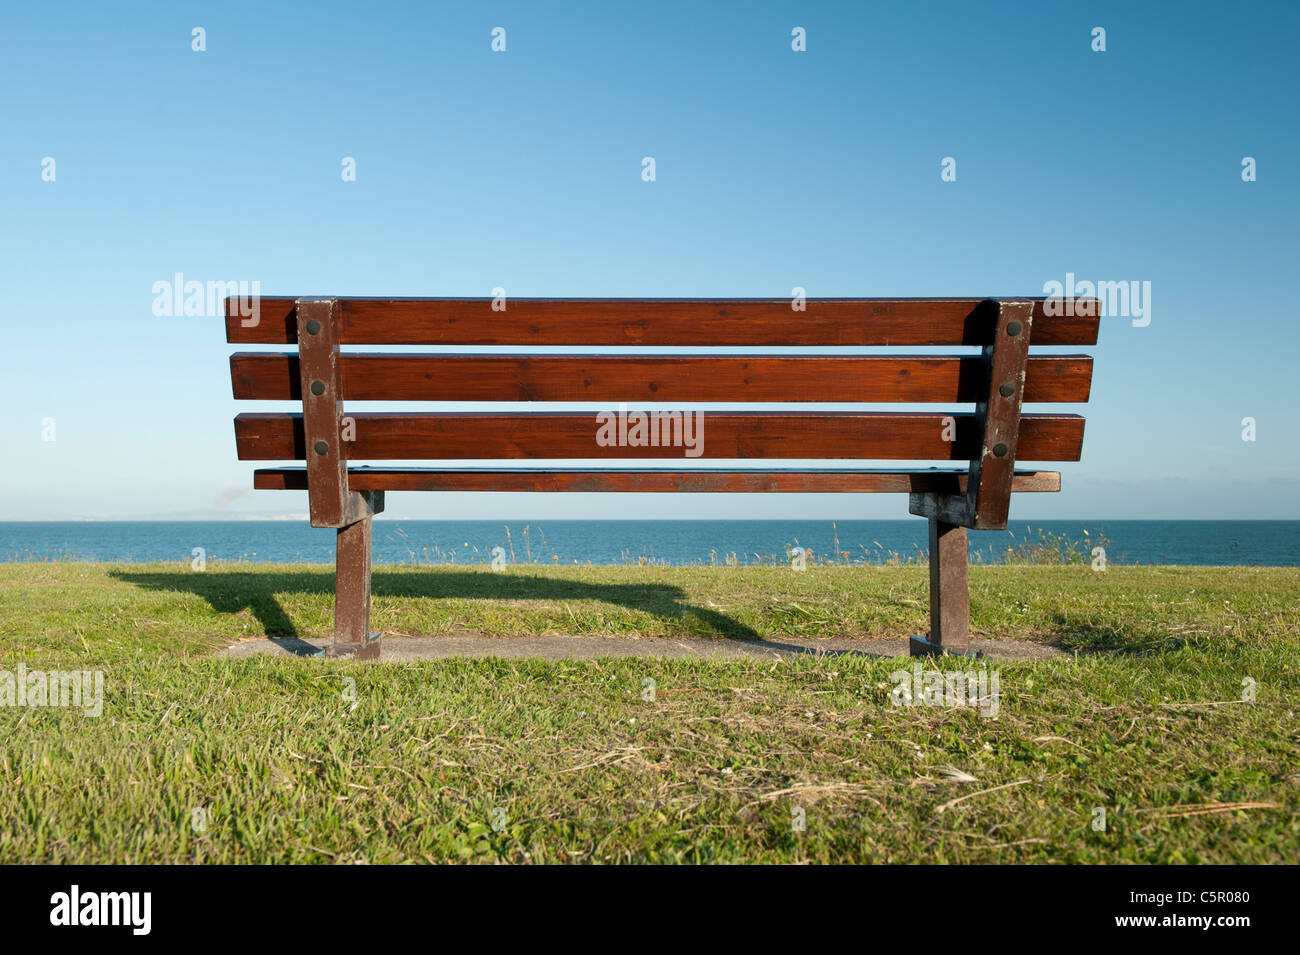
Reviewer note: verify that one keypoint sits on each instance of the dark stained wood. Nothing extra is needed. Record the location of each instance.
(999, 415)
(678, 322)
(321, 413)
(331, 503)
(696, 480)
(949, 592)
(730, 434)
(352, 636)
(661, 378)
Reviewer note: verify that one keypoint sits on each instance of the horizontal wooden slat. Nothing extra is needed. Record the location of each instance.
(699, 480)
(660, 378)
(725, 435)
(661, 322)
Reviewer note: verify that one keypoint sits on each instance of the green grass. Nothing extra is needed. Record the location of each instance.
(306, 761)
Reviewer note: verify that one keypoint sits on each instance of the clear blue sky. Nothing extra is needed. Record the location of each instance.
(522, 169)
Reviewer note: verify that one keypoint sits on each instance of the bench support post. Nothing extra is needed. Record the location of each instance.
(987, 498)
(949, 593)
(352, 636)
(331, 501)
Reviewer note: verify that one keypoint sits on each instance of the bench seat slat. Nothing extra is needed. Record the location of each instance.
(671, 322)
(661, 378)
(726, 435)
(697, 480)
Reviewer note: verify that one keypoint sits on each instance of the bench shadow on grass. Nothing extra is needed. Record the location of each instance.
(1089, 639)
(232, 593)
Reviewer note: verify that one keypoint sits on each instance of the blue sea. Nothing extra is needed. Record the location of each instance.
(1217, 543)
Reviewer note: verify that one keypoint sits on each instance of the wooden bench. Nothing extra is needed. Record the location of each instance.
(994, 376)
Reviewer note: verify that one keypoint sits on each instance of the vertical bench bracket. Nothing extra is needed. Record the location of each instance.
(987, 498)
(989, 485)
(331, 503)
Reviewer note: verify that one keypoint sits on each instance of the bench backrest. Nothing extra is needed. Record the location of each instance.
(996, 379)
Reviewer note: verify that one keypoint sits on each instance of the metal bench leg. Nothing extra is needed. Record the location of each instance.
(352, 636)
(949, 593)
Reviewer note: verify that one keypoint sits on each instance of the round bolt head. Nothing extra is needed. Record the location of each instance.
(1000, 450)
(318, 387)
(1013, 328)
(313, 327)
(321, 447)
(1006, 391)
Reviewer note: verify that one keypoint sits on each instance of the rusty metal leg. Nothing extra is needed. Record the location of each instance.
(352, 636)
(949, 593)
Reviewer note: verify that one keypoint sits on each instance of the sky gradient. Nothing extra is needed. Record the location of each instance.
(522, 169)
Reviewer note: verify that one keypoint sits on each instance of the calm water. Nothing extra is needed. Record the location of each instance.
(616, 542)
